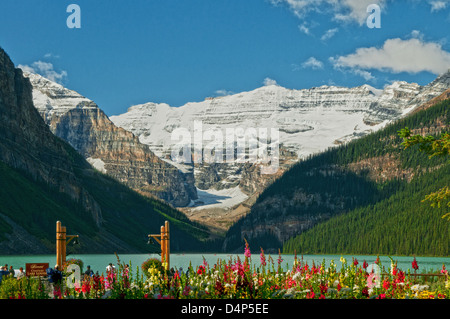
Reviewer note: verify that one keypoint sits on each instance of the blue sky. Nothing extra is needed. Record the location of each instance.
(179, 51)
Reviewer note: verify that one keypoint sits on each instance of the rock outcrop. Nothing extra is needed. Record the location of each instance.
(110, 149)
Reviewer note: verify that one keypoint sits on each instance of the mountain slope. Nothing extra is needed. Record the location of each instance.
(43, 179)
(356, 198)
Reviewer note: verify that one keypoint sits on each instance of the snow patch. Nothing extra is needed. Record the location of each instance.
(224, 198)
(97, 163)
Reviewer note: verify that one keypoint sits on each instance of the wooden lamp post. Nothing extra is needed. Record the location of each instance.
(61, 242)
(164, 240)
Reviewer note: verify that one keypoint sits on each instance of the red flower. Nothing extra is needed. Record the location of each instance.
(400, 276)
(365, 292)
(310, 295)
(394, 271)
(414, 264)
(386, 284)
(201, 270)
(365, 264)
(86, 287)
(323, 288)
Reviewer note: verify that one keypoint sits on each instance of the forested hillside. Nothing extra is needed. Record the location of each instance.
(362, 197)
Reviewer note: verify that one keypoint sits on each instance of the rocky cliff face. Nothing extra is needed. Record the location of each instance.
(27, 144)
(110, 149)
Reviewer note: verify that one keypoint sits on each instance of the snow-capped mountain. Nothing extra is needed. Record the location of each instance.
(110, 149)
(308, 121)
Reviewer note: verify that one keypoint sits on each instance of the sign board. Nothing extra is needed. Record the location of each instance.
(36, 269)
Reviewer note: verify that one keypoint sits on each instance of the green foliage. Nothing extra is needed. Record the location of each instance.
(25, 288)
(151, 263)
(432, 146)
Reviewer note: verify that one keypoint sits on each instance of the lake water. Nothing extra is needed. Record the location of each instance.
(99, 262)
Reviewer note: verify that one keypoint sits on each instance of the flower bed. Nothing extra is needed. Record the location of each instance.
(243, 279)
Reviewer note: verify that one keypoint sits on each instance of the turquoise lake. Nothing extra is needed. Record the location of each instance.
(99, 262)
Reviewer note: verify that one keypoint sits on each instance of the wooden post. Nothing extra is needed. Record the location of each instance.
(61, 244)
(163, 245)
(164, 241)
(167, 244)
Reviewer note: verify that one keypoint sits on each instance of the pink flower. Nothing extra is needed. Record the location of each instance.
(262, 257)
(247, 253)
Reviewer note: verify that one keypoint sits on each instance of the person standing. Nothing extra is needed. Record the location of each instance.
(11, 271)
(3, 273)
(20, 274)
(89, 272)
(110, 268)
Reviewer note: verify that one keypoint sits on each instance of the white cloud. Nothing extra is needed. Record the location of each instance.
(269, 81)
(416, 34)
(45, 69)
(342, 10)
(312, 63)
(303, 28)
(438, 5)
(51, 55)
(329, 34)
(355, 10)
(397, 55)
(223, 92)
(365, 74)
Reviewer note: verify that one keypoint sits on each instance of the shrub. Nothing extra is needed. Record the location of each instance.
(151, 263)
